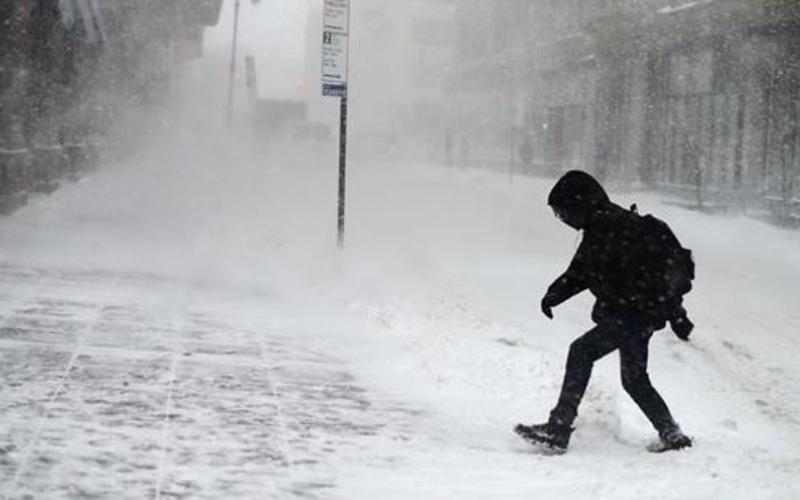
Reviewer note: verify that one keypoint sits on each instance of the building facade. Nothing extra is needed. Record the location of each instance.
(694, 97)
(68, 66)
(400, 56)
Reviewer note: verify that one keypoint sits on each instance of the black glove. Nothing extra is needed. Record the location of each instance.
(547, 305)
(682, 326)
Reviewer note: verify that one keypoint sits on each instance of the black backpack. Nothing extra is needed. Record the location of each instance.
(667, 269)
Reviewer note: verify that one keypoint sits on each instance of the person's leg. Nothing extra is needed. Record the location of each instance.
(583, 352)
(633, 353)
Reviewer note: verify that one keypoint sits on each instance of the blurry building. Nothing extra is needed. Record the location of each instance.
(68, 66)
(399, 62)
(427, 39)
(694, 96)
(400, 58)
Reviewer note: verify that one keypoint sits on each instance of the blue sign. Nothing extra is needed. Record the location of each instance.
(334, 89)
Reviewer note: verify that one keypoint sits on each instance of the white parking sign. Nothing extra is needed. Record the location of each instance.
(335, 25)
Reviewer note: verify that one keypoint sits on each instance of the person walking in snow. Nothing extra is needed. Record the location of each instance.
(618, 262)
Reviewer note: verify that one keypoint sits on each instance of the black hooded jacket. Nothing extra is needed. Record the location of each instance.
(609, 262)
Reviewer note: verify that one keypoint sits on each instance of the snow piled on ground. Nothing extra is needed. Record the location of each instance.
(434, 302)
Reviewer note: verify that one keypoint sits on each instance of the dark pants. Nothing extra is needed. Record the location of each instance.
(632, 342)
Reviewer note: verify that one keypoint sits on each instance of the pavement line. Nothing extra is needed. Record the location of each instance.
(90, 325)
(165, 435)
(178, 325)
(9, 315)
(273, 385)
(41, 421)
(57, 392)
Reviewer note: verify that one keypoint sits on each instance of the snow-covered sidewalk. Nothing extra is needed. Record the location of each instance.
(171, 328)
(127, 386)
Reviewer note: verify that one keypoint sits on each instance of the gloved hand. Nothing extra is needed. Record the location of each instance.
(547, 305)
(682, 327)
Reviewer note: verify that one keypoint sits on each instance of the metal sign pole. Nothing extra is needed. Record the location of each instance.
(335, 55)
(232, 69)
(342, 166)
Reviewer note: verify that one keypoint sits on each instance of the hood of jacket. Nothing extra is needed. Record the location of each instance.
(575, 197)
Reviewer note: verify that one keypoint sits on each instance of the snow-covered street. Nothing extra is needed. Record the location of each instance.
(211, 342)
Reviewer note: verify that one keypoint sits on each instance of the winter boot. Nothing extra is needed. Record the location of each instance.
(670, 439)
(554, 436)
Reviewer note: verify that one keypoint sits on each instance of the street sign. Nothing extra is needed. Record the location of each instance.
(335, 29)
(336, 15)
(334, 64)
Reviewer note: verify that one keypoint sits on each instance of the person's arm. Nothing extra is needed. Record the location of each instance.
(572, 282)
